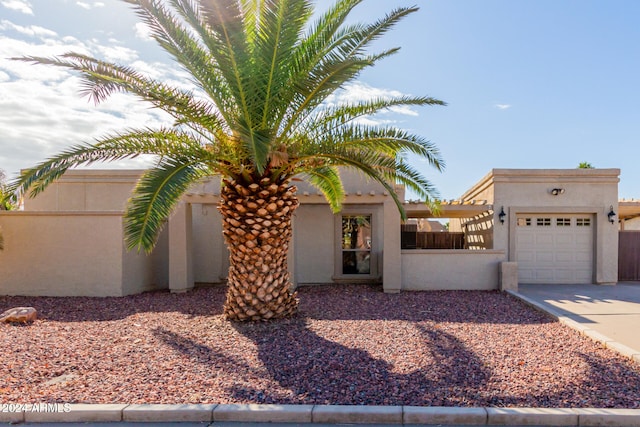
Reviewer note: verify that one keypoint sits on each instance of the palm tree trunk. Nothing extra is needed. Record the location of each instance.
(257, 230)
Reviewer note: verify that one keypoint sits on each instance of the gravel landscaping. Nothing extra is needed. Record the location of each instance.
(349, 344)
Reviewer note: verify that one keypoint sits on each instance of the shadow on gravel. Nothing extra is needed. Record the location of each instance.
(308, 368)
(320, 371)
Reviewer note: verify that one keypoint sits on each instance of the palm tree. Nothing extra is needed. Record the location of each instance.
(257, 116)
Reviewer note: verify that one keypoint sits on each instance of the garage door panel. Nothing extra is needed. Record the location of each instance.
(564, 275)
(584, 257)
(544, 275)
(527, 256)
(544, 257)
(564, 256)
(564, 240)
(555, 248)
(544, 239)
(585, 238)
(525, 239)
(526, 275)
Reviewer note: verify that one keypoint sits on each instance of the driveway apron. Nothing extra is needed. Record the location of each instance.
(610, 310)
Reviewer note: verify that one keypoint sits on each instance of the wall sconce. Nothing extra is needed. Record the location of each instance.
(611, 215)
(501, 215)
(557, 191)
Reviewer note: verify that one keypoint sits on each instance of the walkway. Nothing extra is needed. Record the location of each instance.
(609, 314)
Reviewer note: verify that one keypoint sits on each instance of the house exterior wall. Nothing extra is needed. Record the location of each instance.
(69, 239)
(86, 190)
(313, 244)
(190, 249)
(424, 270)
(59, 254)
(73, 231)
(210, 254)
(585, 191)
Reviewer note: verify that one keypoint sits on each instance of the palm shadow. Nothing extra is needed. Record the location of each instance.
(320, 371)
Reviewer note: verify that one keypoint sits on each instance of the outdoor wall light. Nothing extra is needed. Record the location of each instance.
(611, 215)
(557, 191)
(501, 215)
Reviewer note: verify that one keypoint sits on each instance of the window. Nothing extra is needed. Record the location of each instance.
(543, 222)
(524, 222)
(563, 222)
(583, 222)
(356, 244)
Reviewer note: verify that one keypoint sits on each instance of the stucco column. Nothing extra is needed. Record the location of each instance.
(607, 247)
(391, 256)
(180, 249)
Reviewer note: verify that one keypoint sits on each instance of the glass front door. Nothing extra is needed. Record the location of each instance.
(356, 244)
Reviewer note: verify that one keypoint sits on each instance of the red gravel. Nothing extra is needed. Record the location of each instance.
(348, 345)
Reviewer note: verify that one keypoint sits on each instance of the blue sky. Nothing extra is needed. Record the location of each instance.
(529, 83)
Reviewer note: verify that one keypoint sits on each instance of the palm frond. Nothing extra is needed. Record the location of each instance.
(111, 148)
(327, 180)
(371, 165)
(187, 50)
(357, 138)
(154, 198)
(102, 79)
(335, 116)
(225, 36)
(359, 37)
(280, 25)
(329, 72)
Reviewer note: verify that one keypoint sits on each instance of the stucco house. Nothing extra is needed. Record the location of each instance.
(514, 225)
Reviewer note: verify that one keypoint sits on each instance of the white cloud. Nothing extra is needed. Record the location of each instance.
(502, 106)
(116, 53)
(22, 6)
(41, 111)
(31, 30)
(358, 91)
(88, 6)
(143, 32)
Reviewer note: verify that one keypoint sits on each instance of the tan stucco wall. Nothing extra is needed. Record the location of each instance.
(86, 190)
(586, 191)
(450, 269)
(57, 254)
(69, 240)
(210, 254)
(313, 244)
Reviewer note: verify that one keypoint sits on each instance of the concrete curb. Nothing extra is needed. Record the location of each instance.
(326, 414)
(632, 354)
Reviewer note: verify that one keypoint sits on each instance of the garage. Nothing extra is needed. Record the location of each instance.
(554, 248)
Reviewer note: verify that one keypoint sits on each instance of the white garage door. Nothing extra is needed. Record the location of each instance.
(554, 248)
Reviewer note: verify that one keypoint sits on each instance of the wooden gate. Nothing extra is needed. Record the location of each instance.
(629, 256)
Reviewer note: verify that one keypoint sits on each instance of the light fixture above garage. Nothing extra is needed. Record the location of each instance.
(611, 215)
(557, 191)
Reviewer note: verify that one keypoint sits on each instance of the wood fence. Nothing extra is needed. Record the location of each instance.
(629, 256)
(432, 240)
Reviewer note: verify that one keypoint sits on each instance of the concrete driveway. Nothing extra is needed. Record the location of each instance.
(607, 313)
